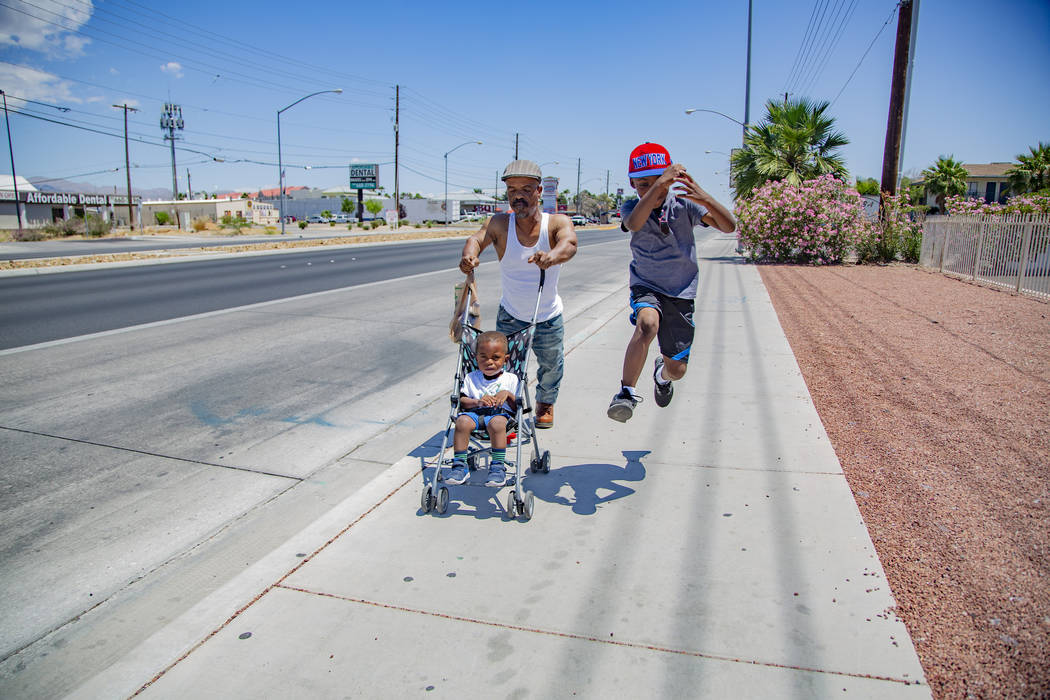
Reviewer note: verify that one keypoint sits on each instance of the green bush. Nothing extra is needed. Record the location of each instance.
(64, 227)
(162, 218)
(360, 224)
(302, 225)
(376, 223)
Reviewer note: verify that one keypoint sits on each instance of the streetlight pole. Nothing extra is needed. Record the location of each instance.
(280, 166)
(14, 177)
(465, 143)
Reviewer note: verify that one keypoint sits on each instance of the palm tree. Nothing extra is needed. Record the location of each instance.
(1032, 172)
(945, 178)
(796, 141)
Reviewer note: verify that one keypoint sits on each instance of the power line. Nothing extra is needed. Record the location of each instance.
(877, 35)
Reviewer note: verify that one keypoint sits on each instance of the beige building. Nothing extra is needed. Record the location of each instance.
(184, 211)
(987, 181)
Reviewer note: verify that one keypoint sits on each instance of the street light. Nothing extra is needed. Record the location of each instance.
(690, 111)
(280, 166)
(465, 143)
(550, 162)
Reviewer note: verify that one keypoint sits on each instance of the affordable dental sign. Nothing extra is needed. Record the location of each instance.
(74, 199)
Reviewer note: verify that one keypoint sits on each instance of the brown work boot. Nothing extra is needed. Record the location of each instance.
(544, 415)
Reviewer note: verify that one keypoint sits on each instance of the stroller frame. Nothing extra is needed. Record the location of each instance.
(520, 502)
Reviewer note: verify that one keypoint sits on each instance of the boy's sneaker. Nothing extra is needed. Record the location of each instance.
(622, 406)
(497, 475)
(457, 475)
(661, 392)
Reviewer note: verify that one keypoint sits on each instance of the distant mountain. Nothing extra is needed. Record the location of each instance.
(86, 188)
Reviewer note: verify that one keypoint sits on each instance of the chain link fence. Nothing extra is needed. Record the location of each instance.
(1011, 252)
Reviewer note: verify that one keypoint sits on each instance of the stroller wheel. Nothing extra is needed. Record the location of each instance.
(529, 506)
(442, 500)
(545, 462)
(427, 500)
(512, 505)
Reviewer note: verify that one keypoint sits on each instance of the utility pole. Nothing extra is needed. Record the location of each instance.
(397, 143)
(189, 186)
(895, 119)
(127, 162)
(171, 120)
(907, 89)
(14, 177)
(515, 145)
(747, 79)
(606, 187)
(578, 161)
(495, 197)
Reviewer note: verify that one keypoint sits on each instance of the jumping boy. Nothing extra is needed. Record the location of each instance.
(488, 400)
(664, 270)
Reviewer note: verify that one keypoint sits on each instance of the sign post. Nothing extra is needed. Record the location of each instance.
(363, 176)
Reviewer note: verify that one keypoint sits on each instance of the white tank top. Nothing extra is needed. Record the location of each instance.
(521, 279)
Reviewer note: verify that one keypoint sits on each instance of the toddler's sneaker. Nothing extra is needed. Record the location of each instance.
(497, 475)
(661, 392)
(622, 406)
(457, 475)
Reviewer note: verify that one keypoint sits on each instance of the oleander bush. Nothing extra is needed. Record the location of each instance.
(1031, 203)
(897, 235)
(816, 222)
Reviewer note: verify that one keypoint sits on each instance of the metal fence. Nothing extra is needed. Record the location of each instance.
(1011, 252)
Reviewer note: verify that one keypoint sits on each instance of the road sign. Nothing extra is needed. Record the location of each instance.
(364, 176)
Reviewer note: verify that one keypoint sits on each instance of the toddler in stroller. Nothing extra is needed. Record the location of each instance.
(490, 402)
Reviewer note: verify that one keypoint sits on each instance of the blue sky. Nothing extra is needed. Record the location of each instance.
(573, 81)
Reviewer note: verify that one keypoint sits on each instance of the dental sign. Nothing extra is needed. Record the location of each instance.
(364, 176)
(74, 199)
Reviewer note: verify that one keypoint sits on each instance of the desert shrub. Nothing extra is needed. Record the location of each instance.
(200, 223)
(162, 218)
(817, 222)
(31, 234)
(302, 225)
(270, 230)
(376, 223)
(96, 226)
(360, 224)
(64, 227)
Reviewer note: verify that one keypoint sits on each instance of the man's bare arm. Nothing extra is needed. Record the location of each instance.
(471, 256)
(563, 244)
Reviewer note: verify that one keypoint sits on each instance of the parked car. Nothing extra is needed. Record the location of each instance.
(314, 220)
(579, 220)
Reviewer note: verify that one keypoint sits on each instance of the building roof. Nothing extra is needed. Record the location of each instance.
(987, 169)
(24, 185)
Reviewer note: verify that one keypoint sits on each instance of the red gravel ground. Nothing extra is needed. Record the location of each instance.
(936, 395)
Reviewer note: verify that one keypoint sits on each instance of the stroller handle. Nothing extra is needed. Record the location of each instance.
(543, 276)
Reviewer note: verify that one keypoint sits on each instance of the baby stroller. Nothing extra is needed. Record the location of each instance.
(521, 429)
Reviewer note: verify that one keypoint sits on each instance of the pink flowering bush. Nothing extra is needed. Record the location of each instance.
(817, 222)
(897, 233)
(1031, 203)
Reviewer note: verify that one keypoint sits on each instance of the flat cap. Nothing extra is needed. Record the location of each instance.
(522, 168)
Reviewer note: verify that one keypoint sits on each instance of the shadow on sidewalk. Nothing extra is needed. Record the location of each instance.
(582, 487)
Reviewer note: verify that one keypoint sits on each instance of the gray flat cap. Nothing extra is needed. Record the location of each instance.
(522, 168)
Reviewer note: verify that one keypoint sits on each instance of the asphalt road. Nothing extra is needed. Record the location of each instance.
(43, 308)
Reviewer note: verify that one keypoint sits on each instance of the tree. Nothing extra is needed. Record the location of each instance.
(477, 190)
(326, 214)
(1032, 172)
(796, 141)
(347, 207)
(945, 178)
(868, 185)
(374, 206)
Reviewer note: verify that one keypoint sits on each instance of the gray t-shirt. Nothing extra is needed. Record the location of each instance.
(666, 263)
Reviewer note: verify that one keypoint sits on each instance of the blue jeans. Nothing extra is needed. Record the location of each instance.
(546, 346)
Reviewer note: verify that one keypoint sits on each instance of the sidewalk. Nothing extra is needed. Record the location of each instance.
(708, 549)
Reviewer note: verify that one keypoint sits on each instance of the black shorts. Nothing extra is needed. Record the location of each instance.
(676, 320)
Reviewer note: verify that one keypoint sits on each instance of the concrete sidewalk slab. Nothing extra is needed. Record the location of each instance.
(711, 548)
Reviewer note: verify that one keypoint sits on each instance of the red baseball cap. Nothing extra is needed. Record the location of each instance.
(648, 159)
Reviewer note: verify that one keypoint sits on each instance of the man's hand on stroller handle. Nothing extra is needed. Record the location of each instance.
(467, 263)
(542, 259)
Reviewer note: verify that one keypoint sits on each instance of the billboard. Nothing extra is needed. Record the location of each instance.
(550, 195)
